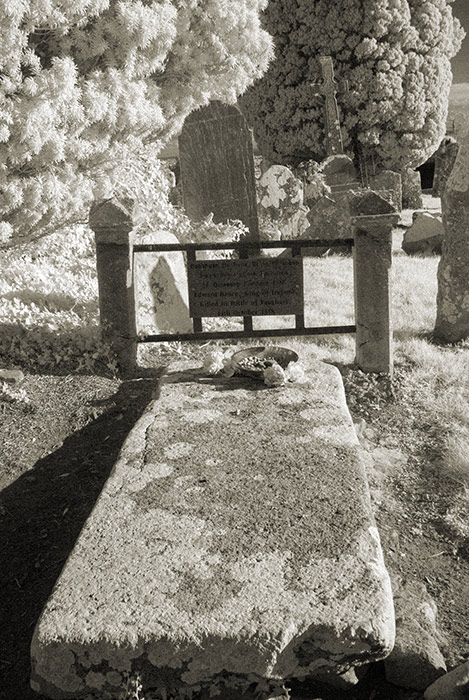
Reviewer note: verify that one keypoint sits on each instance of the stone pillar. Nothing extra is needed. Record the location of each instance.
(373, 219)
(112, 224)
(452, 314)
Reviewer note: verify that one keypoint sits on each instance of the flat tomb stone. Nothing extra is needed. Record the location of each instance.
(234, 539)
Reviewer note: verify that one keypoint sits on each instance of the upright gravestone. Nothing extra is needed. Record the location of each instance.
(452, 315)
(280, 202)
(217, 166)
(445, 158)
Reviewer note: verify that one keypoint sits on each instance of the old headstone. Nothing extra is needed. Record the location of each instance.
(217, 166)
(340, 173)
(328, 216)
(280, 202)
(452, 316)
(425, 236)
(389, 184)
(329, 88)
(445, 158)
(162, 294)
(411, 189)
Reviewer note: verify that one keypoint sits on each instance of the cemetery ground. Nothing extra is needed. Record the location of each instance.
(62, 427)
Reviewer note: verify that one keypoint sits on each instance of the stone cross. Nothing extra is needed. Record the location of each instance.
(329, 88)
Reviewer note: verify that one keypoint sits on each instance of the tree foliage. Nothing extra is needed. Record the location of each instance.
(84, 83)
(395, 55)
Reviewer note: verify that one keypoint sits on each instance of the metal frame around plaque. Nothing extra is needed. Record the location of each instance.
(218, 288)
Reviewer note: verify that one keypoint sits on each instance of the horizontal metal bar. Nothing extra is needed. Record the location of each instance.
(268, 332)
(249, 245)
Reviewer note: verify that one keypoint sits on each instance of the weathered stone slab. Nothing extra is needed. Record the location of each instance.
(328, 218)
(445, 158)
(452, 686)
(234, 536)
(217, 166)
(339, 171)
(425, 236)
(411, 189)
(162, 292)
(389, 184)
(280, 202)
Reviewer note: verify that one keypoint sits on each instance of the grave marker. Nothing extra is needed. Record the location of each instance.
(329, 88)
(217, 166)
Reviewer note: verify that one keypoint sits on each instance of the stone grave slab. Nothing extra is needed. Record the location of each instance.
(234, 538)
(425, 235)
(217, 166)
(162, 293)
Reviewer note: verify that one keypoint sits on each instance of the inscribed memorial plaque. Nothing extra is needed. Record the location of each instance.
(252, 287)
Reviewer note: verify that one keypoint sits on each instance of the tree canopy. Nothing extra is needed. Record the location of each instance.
(395, 55)
(86, 83)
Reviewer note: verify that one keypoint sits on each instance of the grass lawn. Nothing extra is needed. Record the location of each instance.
(62, 428)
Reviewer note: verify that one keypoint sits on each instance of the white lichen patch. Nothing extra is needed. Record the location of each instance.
(290, 399)
(303, 439)
(203, 415)
(137, 481)
(179, 449)
(212, 462)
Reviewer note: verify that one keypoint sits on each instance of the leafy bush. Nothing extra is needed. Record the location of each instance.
(83, 82)
(395, 55)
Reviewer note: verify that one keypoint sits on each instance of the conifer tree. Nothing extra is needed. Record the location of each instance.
(395, 55)
(86, 83)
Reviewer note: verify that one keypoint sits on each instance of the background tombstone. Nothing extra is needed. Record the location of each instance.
(452, 314)
(280, 201)
(411, 189)
(445, 158)
(217, 166)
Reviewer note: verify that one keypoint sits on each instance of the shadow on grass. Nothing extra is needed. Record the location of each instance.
(41, 516)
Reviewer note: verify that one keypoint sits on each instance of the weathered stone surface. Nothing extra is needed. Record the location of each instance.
(367, 202)
(328, 218)
(444, 158)
(162, 292)
(217, 166)
(411, 189)
(234, 535)
(452, 686)
(389, 184)
(339, 170)
(416, 660)
(452, 317)
(425, 236)
(280, 202)
(371, 270)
